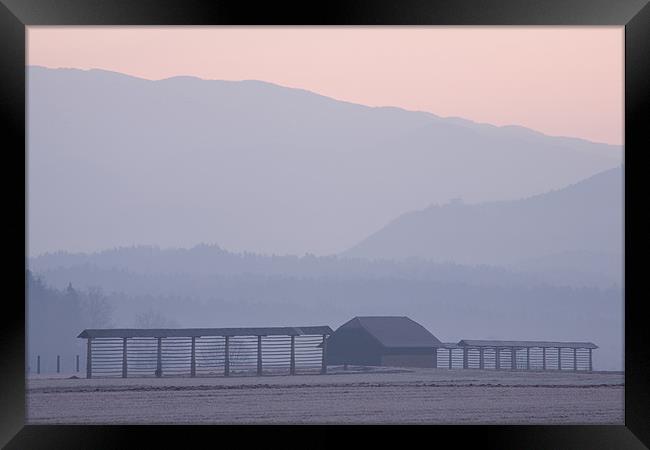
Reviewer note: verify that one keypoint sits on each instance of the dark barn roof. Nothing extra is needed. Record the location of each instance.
(198, 332)
(524, 344)
(394, 331)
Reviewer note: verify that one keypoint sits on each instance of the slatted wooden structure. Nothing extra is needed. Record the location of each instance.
(205, 351)
(449, 356)
(524, 355)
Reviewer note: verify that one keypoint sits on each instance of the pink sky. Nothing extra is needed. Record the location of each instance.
(562, 81)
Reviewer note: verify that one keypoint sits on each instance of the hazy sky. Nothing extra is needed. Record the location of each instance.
(565, 81)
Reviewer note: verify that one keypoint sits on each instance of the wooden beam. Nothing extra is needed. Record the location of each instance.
(559, 358)
(259, 356)
(38, 364)
(226, 362)
(527, 358)
(590, 365)
(292, 360)
(450, 350)
(465, 358)
(77, 363)
(159, 359)
(193, 357)
(323, 367)
(497, 357)
(435, 357)
(543, 358)
(513, 358)
(89, 358)
(58, 363)
(124, 362)
(575, 359)
(481, 358)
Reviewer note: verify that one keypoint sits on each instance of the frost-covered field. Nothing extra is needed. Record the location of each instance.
(376, 396)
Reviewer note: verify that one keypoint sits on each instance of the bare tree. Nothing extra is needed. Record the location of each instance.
(97, 311)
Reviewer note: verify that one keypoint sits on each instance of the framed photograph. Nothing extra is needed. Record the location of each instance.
(356, 214)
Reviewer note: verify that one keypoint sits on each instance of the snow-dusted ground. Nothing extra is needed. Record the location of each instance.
(356, 396)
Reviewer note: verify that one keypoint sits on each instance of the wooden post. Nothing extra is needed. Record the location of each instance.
(590, 366)
(124, 361)
(575, 359)
(323, 367)
(38, 363)
(193, 357)
(543, 358)
(481, 358)
(465, 361)
(259, 356)
(89, 358)
(58, 363)
(527, 358)
(77, 363)
(226, 363)
(513, 358)
(497, 357)
(435, 357)
(559, 358)
(292, 361)
(159, 361)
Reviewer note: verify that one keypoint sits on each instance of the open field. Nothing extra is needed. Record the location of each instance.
(425, 396)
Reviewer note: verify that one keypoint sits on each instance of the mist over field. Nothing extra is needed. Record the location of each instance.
(195, 203)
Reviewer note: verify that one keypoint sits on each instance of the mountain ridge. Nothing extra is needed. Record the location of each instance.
(452, 119)
(257, 167)
(578, 217)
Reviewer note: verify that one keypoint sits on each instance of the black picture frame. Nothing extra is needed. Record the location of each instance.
(15, 15)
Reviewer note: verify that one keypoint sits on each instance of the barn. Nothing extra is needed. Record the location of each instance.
(382, 341)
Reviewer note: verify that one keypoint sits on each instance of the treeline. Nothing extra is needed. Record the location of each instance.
(212, 259)
(129, 267)
(55, 317)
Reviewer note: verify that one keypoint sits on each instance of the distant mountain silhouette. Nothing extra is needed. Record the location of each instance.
(579, 227)
(115, 160)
